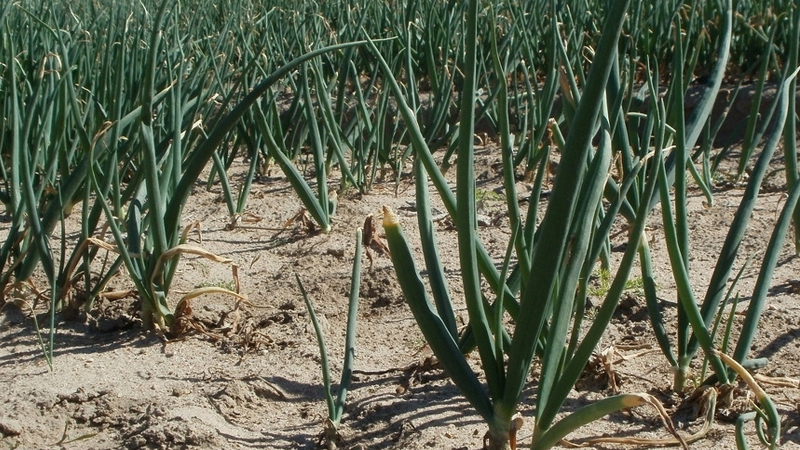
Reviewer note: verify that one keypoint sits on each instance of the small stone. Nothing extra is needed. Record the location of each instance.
(179, 391)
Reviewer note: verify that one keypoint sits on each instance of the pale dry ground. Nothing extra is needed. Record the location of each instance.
(115, 385)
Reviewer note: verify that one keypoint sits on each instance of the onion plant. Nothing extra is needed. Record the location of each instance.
(695, 320)
(121, 110)
(169, 177)
(336, 404)
(133, 155)
(701, 318)
(567, 240)
(225, 53)
(790, 130)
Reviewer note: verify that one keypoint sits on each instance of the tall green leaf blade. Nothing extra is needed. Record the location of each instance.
(301, 187)
(581, 234)
(435, 331)
(552, 243)
(466, 221)
(201, 155)
(350, 338)
(430, 251)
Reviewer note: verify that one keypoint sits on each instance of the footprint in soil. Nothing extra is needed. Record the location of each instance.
(630, 309)
(382, 288)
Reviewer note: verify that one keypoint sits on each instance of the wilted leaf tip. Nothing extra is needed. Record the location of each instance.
(389, 218)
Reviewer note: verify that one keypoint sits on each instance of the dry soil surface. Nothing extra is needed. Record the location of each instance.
(254, 379)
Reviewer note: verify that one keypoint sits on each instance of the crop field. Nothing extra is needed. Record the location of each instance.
(399, 224)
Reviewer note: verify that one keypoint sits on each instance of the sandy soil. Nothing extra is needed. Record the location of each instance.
(255, 381)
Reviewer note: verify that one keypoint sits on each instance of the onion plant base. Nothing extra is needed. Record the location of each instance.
(330, 436)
